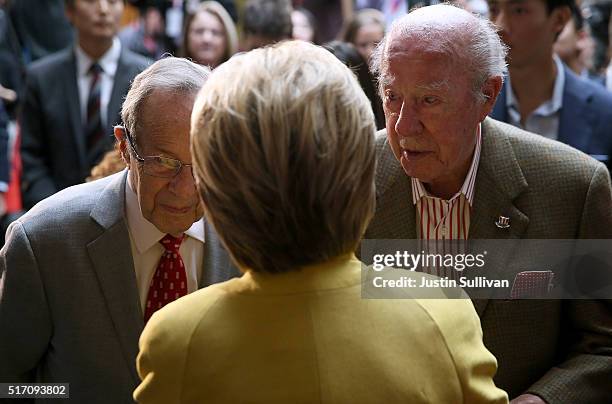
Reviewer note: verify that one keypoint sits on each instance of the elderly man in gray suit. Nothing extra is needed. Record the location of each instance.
(83, 270)
(446, 172)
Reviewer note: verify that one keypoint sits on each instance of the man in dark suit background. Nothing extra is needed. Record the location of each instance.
(72, 99)
(542, 95)
(448, 172)
(82, 271)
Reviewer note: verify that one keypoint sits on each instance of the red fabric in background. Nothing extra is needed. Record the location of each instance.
(13, 195)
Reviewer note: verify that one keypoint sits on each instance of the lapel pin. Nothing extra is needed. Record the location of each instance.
(503, 222)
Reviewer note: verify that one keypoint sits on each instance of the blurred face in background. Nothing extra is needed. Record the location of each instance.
(95, 19)
(153, 22)
(302, 29)
(367, 37)
(206, 41)
(528, 28)
(575, 47)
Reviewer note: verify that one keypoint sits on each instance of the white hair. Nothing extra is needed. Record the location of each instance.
(470, 40)
(177, 75)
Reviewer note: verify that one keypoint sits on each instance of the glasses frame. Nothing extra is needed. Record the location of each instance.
(144, 159)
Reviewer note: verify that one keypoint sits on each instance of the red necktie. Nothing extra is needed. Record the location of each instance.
(170, 279)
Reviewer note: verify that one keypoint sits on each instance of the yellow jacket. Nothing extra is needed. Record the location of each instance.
(308, 337)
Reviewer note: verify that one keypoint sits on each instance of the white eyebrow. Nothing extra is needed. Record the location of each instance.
(435, 86)
(387, 81)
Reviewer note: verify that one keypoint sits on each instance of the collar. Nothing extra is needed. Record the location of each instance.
(143, 232)
(549, 107)
(467, 189)
(108, 62)
(339, 272)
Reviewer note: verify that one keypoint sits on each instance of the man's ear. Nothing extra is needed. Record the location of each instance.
(490, 90)
(119, 132)
(560, 16)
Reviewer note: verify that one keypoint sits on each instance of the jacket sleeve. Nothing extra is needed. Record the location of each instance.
(585, 374)
(160, 363)
(25, 321)
(37, 183)
(474, 364)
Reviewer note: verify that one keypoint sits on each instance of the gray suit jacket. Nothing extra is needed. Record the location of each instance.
(69, 306)
(560, 350)
(53, 144)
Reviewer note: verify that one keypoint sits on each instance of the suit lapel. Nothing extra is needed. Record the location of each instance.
(74, 107)
(112, 260)
(217, 265)
(576, 118)
(393, 194)
(499, 183)
(121, 84)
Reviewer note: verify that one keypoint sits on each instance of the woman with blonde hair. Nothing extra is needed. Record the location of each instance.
(209, 37)
(284, 162)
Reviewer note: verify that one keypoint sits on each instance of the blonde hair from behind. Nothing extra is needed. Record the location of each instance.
(283, 151)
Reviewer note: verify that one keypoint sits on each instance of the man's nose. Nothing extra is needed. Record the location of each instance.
(103, 5)
(408, 122)
(183, 184)
(207, 35)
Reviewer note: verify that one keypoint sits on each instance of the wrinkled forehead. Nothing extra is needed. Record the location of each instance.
(401, 53)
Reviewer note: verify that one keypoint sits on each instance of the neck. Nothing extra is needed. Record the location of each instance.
(575, 65)
(448, 187)
(95, 48)
(533, 85)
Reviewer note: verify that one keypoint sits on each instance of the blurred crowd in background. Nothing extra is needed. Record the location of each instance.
(210, 32)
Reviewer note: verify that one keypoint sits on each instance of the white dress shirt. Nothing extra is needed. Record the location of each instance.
(108, 62)
(146, 249)
(545, 119)
(439, 219)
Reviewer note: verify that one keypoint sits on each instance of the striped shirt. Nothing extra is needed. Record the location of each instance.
(439, 219)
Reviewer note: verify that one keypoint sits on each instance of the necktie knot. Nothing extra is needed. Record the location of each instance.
(95, 69)
(172, 244)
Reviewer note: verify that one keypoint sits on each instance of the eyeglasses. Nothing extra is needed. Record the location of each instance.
(157, 166)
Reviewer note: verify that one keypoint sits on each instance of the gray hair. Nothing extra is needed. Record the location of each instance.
(471, 40)
(177, 75)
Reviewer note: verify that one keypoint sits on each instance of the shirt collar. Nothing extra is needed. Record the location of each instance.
(108, 62)
(467, 189)
(549, 107)
(144, 233)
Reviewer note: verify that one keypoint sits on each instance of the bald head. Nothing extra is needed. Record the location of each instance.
(469, 42)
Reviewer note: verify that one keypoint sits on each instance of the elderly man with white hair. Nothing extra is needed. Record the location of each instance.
(447, 172)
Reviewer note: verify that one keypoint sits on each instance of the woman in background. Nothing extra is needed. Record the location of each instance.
(304, 25)
(365, 30)
(210, 36)
(348, 55)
